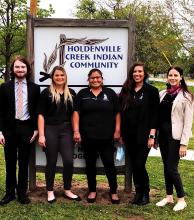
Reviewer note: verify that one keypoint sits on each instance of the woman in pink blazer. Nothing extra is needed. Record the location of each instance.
(175, 124)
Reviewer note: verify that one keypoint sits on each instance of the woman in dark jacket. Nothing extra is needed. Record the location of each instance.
(139, 107)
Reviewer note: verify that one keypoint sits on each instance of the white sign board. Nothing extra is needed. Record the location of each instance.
(80, 49)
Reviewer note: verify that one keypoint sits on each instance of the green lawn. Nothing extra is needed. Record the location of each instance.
(82, 211)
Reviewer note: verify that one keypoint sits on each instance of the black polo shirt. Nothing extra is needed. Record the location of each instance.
(97, 114)
(53, 113)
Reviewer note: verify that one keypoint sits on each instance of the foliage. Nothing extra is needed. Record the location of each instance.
(157, 43)
(13, 29)
(182, 13)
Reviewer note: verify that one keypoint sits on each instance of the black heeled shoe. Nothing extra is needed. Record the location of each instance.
(73, 199)
(91, 200)
(52, 201)
(114, 201)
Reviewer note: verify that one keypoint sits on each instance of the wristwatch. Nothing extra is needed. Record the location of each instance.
(152, 136)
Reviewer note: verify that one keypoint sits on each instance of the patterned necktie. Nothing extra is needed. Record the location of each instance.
(19, 101)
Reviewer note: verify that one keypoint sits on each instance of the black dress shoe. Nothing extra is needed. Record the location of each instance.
(91, 200)
(6, 199)
(137, 198)
(23, 199)
(74, 199)
(114, 201)
(51, 201)
(144, 201)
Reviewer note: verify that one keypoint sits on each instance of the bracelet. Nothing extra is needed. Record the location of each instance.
(152, 136)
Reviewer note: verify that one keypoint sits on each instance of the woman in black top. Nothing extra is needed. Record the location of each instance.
(96, 122)
(139, 107)
(55, 131)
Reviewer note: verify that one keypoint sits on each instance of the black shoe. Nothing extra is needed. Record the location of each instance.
(23, 199)
(91, 200)
(51, 201)
(74, 199)
(6, 199)
(137, 198)
(114, 201)
(145, 200)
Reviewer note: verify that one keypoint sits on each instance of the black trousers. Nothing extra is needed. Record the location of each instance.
(59, 138)
(105, 148)
(17, 148)
(138, 155)
(170, 155)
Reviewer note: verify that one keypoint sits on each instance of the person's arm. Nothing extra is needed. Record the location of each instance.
(2, 139)
(75, 122)
(117, 132)
(151, 138)
(42, 139)
(154, 106)
(187, 127)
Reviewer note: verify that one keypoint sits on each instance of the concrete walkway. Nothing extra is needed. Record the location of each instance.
(156, 153)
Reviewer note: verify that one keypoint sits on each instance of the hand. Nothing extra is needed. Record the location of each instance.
(183, 151)
(2, 139)
(42, 141)
(76, 136)
(150, 142)
(121, 140)
(117, 135)
(34, 136)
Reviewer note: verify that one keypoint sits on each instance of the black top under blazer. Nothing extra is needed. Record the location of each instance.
(147, 118)
(7, 102)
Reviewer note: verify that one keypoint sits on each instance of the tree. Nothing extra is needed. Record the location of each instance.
(157, 43)
(182, 14)
(13, 29)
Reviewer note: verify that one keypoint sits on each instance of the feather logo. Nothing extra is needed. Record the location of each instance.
(48, 62)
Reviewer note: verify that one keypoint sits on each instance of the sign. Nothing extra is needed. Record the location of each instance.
(79, 50)
(80, 45)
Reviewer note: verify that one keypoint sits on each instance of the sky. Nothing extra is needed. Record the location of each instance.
(63, 8)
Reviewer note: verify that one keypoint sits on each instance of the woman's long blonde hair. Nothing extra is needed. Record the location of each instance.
(53, 91)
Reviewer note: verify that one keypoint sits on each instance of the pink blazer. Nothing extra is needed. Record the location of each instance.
(181, 117)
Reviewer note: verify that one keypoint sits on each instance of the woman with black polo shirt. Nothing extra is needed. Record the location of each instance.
(139, 108)
(96, 122)
(55, 131)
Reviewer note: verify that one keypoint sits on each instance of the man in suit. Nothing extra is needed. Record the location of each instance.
(18, 127)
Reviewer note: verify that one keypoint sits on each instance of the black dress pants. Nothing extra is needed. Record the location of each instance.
(138, 155)
(18, 147)
(59, 139)
(170, 155)
(105, 148)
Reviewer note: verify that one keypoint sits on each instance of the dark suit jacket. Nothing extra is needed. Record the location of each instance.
(7, 105)
(147, 119)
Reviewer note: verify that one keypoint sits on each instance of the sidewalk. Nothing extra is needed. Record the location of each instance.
(156, 153)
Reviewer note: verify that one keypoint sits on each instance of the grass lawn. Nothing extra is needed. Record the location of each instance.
(82, 211)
